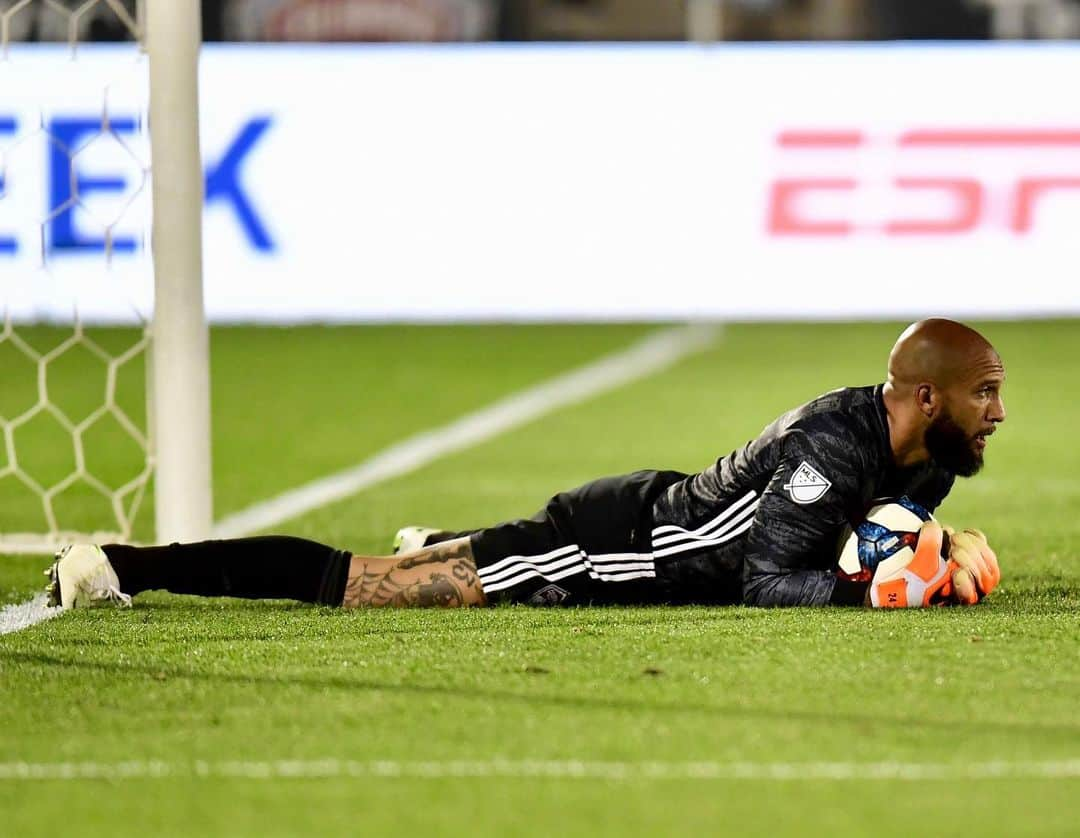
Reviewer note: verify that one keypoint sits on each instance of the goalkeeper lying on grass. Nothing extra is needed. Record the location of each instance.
(760, 526)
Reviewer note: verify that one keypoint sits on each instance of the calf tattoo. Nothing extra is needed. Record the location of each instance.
(441, 576)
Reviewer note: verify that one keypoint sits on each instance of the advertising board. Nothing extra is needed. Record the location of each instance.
(420, 183)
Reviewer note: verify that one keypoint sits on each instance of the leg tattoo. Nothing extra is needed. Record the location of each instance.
(443, 576)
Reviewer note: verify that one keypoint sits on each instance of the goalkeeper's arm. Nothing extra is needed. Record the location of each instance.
(964, 572)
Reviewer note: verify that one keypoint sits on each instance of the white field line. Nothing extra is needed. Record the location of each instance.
(544, 769)
(25, 614)
(646, 357)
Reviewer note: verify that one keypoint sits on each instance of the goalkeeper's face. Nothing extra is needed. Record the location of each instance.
(971, 410)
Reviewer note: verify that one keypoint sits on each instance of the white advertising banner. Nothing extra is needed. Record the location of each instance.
(364, 183)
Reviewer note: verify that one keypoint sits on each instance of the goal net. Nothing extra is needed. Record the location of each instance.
(86, 339)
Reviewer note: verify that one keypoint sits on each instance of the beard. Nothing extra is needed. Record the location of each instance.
(951, 448)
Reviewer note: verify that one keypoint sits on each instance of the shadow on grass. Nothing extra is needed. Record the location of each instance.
(949, 726)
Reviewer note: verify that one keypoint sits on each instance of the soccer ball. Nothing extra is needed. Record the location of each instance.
(890, 529)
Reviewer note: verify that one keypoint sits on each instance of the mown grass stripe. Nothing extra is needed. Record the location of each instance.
(541, 769)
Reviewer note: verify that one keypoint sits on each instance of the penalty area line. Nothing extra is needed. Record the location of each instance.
(544, 769)
(652, 354)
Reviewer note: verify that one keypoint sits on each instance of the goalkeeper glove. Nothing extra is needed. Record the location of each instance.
(977, 572)
(928, 578)
(915, 581)
(925, 578)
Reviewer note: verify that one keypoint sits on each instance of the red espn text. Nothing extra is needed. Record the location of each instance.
(968, 194)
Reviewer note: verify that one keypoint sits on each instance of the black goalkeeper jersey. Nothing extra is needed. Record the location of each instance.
(763, 524)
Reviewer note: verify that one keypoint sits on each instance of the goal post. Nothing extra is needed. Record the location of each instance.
(180, 380)
(76, 254)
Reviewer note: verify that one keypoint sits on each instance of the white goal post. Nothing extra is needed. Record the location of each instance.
(57, 133)
(180, 400)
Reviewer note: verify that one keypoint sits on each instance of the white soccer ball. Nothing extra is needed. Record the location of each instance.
(890, 531)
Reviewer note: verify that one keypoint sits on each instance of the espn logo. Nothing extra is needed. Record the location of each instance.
(934, 182)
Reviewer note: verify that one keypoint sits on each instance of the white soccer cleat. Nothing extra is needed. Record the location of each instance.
(409, 539)
(81, 576)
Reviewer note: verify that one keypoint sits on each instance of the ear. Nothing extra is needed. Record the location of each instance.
(926, 398)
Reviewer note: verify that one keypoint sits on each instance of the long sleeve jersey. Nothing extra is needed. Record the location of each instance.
(763, 524)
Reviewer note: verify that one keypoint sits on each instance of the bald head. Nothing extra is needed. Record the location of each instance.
(940, 351)
(943, 395)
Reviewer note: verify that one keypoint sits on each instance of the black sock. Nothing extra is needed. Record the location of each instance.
(267, 567)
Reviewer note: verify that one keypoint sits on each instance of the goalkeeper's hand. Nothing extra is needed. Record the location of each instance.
(929, 578)
(977, 572)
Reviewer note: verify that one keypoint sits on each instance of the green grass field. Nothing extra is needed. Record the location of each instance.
(198, 686)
